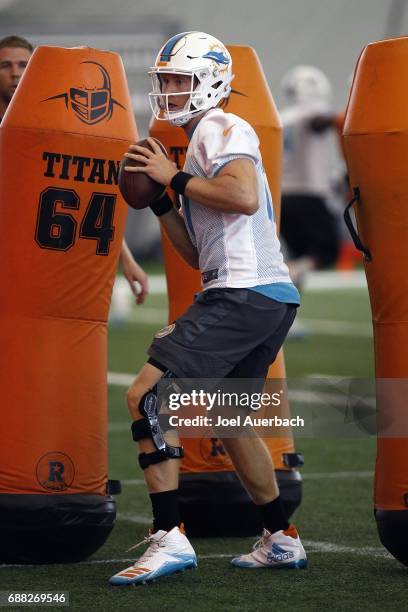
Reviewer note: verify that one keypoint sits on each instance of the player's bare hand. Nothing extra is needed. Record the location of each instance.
(155, 163)
(134, 274)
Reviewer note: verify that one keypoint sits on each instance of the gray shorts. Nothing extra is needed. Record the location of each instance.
(226, 332)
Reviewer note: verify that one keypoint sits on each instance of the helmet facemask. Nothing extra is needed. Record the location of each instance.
(205, 91)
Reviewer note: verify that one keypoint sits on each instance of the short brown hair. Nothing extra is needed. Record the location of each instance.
(16, 41)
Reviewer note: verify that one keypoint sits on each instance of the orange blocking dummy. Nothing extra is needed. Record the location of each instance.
(376, 144)
(209, 487)
(62, 222)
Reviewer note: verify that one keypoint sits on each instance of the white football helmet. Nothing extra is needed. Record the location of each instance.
(208, 64)
(303, 84)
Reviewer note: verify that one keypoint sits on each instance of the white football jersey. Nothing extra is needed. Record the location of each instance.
(307, 154)
(235, 250)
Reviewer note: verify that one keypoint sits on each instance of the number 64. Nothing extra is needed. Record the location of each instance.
(57, 230)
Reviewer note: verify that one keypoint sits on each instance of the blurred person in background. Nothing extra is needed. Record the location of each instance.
(15, 53)
(309, 227)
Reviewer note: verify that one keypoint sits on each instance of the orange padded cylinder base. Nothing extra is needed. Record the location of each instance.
(62, 223)
(376, 144)
(209, 486)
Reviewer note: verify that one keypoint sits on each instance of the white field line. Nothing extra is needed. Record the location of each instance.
(337, 475)
(133, 482)
(149, 315)
(139, 519)
(338, 328)
(315, 281)
(119, 379)
(318, 281)
(295, 395)
(138, 482)
(311, 546)
(331, 378)
(157, 284)
(329, 547)
(307, 396)
(158, 316)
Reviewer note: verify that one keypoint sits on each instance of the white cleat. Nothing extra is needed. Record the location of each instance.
(280, 550)
(168, 552)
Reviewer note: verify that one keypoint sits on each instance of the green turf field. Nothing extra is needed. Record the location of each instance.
(349, 570)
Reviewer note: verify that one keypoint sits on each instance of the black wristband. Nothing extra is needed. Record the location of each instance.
(162, 206)
(179, 181)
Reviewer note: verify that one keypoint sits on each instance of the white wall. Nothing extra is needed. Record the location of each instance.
(327, 33)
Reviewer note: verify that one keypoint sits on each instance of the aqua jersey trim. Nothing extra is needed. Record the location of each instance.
(271, 216)
(187, 214)
(281, 292)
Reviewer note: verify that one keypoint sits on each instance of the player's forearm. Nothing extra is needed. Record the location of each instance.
(125, 253)
(223, 193)
(176, 231)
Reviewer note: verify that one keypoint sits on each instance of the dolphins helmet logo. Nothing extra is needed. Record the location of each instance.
(218, 56)
(91, 100)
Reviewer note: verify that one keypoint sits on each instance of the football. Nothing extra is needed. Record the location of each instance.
(137, 188)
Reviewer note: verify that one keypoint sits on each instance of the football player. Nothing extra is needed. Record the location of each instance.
(309, 228)
(239, 321)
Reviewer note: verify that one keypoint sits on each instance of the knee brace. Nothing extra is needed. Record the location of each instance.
(153, 426)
